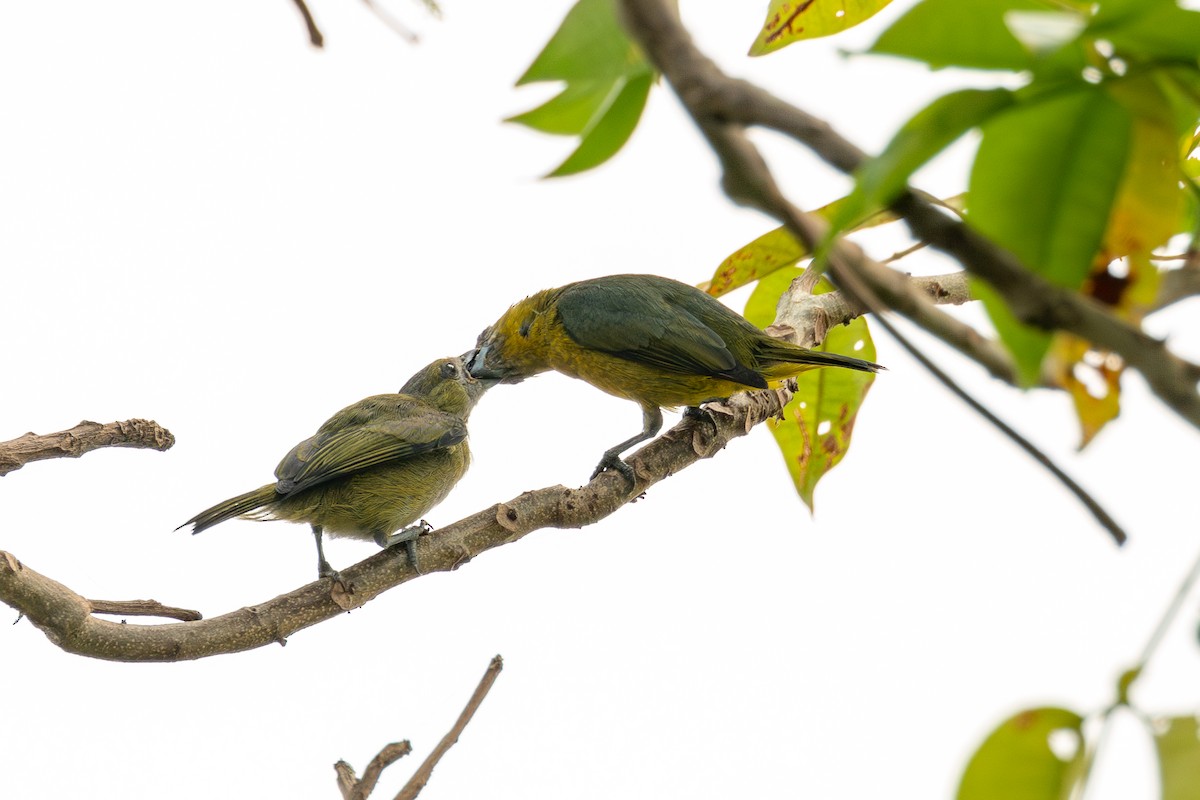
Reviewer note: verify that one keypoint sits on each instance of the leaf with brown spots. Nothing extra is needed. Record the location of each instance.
(814, 433)
(792, 20)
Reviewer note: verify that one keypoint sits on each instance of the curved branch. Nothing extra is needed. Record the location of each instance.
(1040, 303)
(746, 178)
(315, 37)
(66, 617)
(83, 438)
(721, 105)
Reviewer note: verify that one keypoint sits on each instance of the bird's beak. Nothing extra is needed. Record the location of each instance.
(476, 362)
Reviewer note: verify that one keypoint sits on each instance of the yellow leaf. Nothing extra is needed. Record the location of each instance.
(791, 20)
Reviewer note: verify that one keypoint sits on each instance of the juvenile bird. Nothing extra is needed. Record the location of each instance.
(653, 340)
(373, 468)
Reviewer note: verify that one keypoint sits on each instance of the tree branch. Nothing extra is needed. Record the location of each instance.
(315, 37)
(83, 438)
(805, 318)
(720, 104)
(355, 788)
(747, 179)
(143, 608)
(67, 620)
(421, 777)
(1180, 284)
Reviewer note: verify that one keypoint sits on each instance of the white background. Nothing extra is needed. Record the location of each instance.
(205, 222)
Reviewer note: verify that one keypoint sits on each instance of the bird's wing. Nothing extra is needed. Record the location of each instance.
(335, 452)
(641, 324)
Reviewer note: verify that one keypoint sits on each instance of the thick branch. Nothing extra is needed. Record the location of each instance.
(1040, 303)
(747, 179)
(83, 438)
(67, 620)
(720, 105)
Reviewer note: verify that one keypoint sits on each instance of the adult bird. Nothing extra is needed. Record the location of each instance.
(653, 340)
(373, 468)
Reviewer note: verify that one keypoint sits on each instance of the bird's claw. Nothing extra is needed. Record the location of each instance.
(612, 461)
(407, 537)
(326, 571)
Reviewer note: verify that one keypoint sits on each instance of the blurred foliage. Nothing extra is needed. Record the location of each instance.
(607, 82)
(1082, 172)
(1037, 754)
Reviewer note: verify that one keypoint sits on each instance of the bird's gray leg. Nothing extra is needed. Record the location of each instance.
(323, 568)
(652, 421)
(407, 537)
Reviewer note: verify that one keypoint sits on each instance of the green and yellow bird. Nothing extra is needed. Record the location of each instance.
(373, 468)
(653, 340)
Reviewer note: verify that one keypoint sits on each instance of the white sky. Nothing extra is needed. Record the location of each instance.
(205, 222)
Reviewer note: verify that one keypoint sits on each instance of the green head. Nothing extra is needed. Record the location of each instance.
(447, 384)
(512, 349)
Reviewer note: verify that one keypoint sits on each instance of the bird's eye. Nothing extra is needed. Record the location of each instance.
(525, 326)
(449, 369)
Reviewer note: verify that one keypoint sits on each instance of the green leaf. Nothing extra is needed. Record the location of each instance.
(1154, 31)
(1179, 758)
(931, 130)
(1042, 186)
(590, 44)
(607, 82)
(1017, 761)
(570, 112)
(792, 20)
(815, 431)
(611, 129)
(960, 33)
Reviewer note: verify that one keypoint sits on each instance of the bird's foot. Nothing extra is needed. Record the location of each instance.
(701, 416)
(324, 570)
(407, 537)
(612, 461)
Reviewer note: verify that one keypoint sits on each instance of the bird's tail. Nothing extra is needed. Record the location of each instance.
(233, 507)
(778, 350)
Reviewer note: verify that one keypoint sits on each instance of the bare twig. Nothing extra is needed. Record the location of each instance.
(389, 19)
(354, 788)
(421, 777)
(83, 438)
(908, 251)
(314, 33)
(67, 619)
(143, 608)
